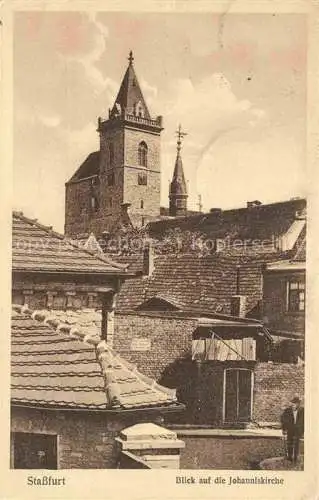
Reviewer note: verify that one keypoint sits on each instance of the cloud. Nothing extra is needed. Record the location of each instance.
(207, 110)
(88, 60)
(150, 93)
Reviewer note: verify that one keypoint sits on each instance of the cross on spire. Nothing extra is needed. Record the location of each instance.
(180, 134)
(131, 58)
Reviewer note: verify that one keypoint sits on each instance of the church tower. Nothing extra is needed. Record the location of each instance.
(125, 173)
(178, 189)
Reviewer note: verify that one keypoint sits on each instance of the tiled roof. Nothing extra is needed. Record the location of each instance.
(57, 365)
(202, 284)
(204, 281)
(300, 253)
(261, 222)
(36, 247)
(88, 168)
(164, 212)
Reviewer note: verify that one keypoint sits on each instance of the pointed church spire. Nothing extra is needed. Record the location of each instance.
(178, 188)
(130, 99)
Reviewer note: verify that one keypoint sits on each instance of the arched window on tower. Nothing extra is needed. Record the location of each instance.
(142, 154)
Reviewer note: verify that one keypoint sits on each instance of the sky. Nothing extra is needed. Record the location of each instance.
(235, 82)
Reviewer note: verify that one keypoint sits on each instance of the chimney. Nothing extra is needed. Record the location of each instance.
(252, 204)
(238, 306)
(148, 259)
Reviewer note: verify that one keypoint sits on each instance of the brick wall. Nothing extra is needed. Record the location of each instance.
(116, 137)
(166, 341)
(274, 386)
(132, 141)
(275, 311)
(78, 214)
(133, 192)
(81, 219)
(86, 440)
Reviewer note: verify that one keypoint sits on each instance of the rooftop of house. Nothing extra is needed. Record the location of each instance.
(55, 365)
(187, 276)
(36, 247)
(89, 168)
(191, 282)
(164, 213)
(254, 222)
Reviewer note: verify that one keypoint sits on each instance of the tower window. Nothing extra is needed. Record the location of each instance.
(110, 179)
(111, 153)
(142, 154)
(142, 179)
(142, 203)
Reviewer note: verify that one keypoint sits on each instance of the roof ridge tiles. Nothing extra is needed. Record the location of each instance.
(111, 365)
(51, 232)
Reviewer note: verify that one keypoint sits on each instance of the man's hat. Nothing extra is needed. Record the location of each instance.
(295, 400)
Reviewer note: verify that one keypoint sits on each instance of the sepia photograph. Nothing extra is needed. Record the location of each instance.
(159, 243)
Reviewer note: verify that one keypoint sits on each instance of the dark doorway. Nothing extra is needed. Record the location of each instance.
(237, 395)
(34, 451)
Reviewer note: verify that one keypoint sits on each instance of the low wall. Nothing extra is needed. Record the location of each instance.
(233, 453)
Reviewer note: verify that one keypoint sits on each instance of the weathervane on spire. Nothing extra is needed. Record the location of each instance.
(180, 134)
(131, 58)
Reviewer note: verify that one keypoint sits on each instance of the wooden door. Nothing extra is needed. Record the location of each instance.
(237, 395)
(34, 451)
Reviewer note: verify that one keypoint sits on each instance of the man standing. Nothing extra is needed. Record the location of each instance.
(292, 422)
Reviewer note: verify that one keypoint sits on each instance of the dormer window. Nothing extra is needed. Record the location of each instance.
(142, 154)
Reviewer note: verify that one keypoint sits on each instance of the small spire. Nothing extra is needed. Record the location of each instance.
(180, 134)
(131, 58)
